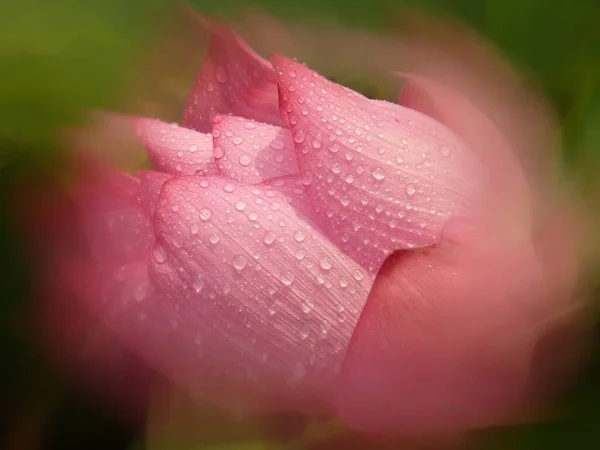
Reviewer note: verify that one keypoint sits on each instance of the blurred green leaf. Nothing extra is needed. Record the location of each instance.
(63, 56)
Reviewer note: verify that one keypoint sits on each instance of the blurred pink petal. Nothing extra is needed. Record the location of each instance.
(175, 149)
(376, 197)
(252, 152)
(113, 223)
(507, 180)
(271, 302)
(151, 184)
(234, 79)
(445, 341)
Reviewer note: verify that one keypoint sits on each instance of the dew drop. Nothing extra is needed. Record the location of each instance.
(237, 140)
(160, 254)
(221, 75)
(378, 174)
(287, 278)
(229, 187)
(218, 152)
(304, 333)
(205, 213)
(410, 189)
(245, 160)
(299, 236)
(324, 264)
(269, 237)
(239, 262)
(240, 205)
(325, 327)
(299, 136)
(277, 144)
(198, 284)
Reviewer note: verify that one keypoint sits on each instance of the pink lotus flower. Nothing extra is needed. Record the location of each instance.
(247, 265)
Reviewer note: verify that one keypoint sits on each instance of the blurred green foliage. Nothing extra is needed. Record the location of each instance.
(61, 58)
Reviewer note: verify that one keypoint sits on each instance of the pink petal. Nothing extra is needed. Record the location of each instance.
(151, 184)
(252, 152)
(176, 150)
(234, 79)
(449, 337)
(112, 219)
(125, 299)
(273, 302)
(387, 177)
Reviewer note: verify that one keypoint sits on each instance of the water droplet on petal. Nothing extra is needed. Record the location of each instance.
(358, 275)
(205, 213)
(198, 284)
(304, 333)
(410, 189)
(325, 264)
(325, 327)
(240, 262)
(240, 205)
(378, 174)
(277, 144)
(269, 237)
(221, 75)
(299, 136)
(237, 140)
(287, 277)
(299, 236)
(245, 160)
(160, 254)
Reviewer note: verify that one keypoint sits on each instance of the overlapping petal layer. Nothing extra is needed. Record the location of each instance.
(234, 79)
(177, 150)
(271, 301)
(252, 152)
(385, 176)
